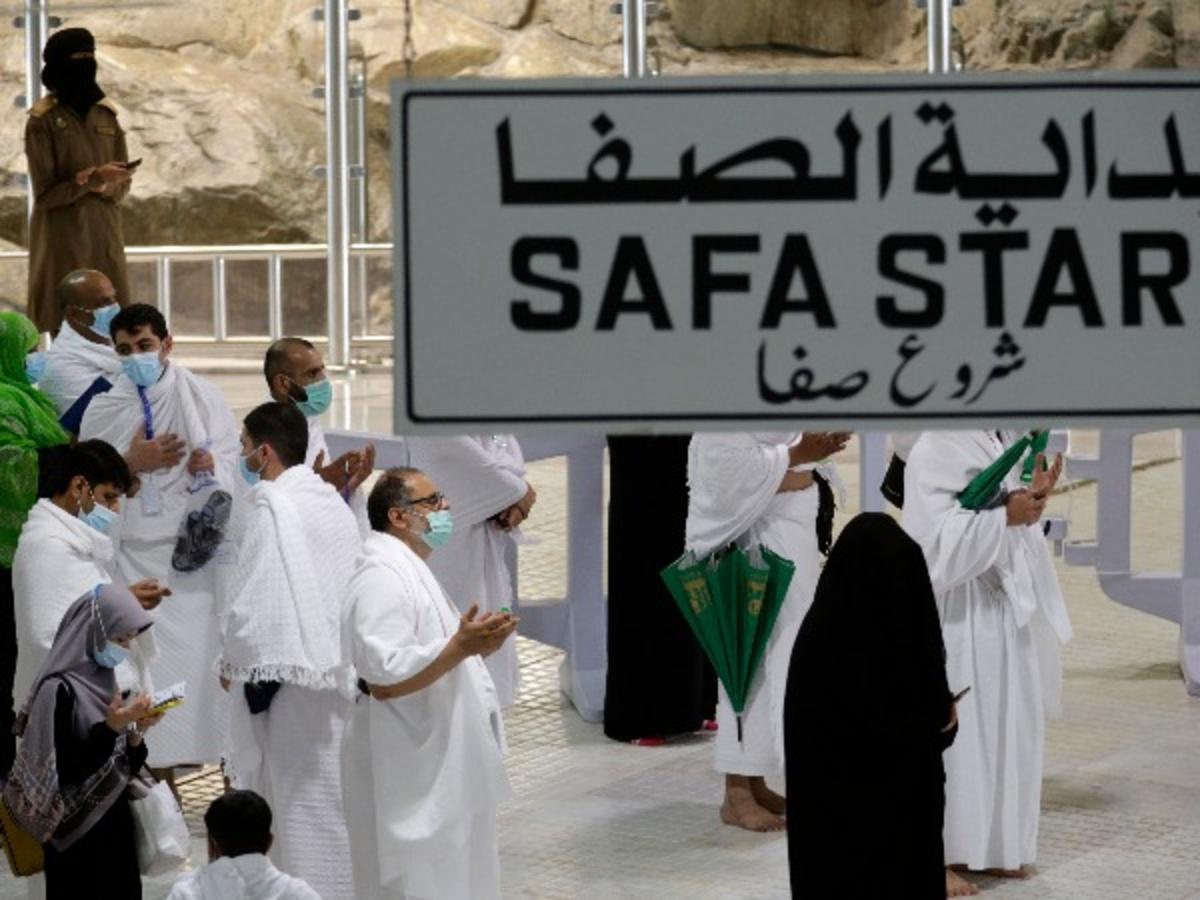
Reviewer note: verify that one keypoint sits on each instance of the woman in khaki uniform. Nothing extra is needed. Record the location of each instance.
(78, 165)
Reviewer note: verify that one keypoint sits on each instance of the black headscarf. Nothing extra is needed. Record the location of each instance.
(873, 629)
(866, 705)
(73, 81)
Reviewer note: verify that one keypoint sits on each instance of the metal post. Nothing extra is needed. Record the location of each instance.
(37, 26)
(357, 137)
(940, 25)
(633, 37)
(872, 466)
(337, 183)
(162, 280)
(275, 296)
(220, 309)
(1189, 600)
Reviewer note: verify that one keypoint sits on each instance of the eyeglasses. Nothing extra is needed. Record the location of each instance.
(434, 499)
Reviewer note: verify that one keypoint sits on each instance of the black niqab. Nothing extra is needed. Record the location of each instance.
(866, 703)
(73, 81)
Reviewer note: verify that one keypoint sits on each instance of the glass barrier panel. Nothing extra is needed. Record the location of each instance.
(246, 294)
(192, 298)
(304, 300)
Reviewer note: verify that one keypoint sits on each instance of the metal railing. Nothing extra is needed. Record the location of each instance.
(274, 255)
(1174, 596)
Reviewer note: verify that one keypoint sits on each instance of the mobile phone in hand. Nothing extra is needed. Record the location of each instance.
(168, 698)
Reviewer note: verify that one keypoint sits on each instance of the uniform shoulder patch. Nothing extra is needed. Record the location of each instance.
(43, 106)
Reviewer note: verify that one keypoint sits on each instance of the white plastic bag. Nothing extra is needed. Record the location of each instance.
(159, 829)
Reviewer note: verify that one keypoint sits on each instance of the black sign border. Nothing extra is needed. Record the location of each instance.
(400, 136)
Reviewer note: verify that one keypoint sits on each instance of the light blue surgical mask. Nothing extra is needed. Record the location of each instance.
(250, 476)
(143, 369)
(441, 526)
(111, 655)
(102, 319)
(99, 517)
(320, 395)
(35, 365)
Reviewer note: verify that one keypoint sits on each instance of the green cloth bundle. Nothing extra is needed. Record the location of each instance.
(984, 486)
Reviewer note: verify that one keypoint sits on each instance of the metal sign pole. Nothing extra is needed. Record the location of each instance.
(940, 25)
(37, 26)
(633, 37)
(337, 182)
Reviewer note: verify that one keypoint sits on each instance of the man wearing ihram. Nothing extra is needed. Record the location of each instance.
(423, 763)
(281, 653)
(156, 396)
(1003, 623)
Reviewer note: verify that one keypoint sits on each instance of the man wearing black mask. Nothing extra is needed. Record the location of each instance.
(79, 168)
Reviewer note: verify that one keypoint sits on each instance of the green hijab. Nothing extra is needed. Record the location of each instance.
(28, 421)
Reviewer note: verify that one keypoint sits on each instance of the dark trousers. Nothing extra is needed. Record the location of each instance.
(101, 865)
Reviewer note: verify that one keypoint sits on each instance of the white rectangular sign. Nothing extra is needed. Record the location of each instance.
(692, 254)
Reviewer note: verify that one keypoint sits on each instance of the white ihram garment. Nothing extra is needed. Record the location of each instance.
(282, 623)
(1003, 623)
(423, 774)
(247, 877)
(481, 475)
(73, 363)
(184, 637)
(58, 560)
(733, 496)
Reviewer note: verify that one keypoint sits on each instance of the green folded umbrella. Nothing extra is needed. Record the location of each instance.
(731, 600)
(985, 486)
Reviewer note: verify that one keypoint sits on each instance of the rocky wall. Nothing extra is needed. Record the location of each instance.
(217, 97)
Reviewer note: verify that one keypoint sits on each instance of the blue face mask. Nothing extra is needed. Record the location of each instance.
(35, 365)
(248, 474)
(102, 319)
(320, 395)
(143, 369)
(441, 526)
(110, 656)
(100, 517)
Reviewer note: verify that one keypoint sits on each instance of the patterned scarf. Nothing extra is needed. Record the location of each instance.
(51, 811)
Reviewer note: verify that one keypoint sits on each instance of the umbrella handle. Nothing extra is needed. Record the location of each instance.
(739, 724)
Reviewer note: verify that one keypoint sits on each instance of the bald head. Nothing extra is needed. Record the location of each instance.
(80, 295)
(291, 365)
(86, 289)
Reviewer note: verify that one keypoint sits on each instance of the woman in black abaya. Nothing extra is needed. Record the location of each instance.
(659, 681)
(867, 715)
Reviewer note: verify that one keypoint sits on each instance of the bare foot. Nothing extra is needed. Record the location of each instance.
(1022, 872)
(957, 886)
(749, 815)
(767, 798)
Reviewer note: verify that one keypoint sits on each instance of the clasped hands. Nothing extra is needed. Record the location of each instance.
(348, 471)
(510, 518)
(98, 178)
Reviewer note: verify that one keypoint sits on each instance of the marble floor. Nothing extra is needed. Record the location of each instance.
(595, 819)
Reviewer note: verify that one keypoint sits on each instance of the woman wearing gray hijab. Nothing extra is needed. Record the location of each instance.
(80, 745)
